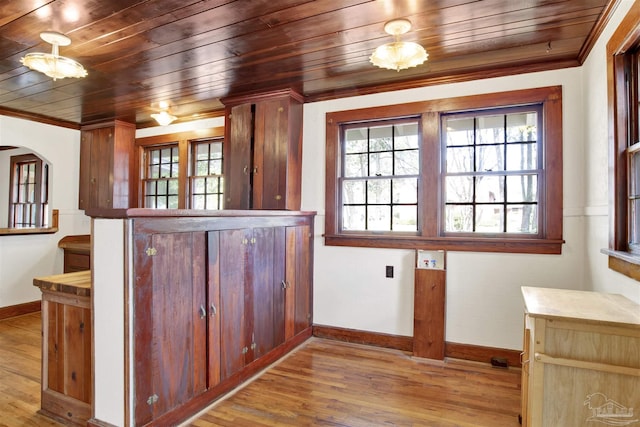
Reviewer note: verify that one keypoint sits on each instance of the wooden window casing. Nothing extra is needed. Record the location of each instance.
(28, 195)
(623, 96)
(183, 141)
(430, 234)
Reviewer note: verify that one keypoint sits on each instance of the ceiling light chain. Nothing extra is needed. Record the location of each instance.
(398, 55)
(52, 64)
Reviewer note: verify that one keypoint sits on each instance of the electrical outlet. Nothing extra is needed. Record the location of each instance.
(389, 272)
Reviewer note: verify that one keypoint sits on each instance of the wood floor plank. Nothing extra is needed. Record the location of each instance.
(332, 383)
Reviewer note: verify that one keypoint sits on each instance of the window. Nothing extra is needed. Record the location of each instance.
(28, 198)
(492, 171)
(379, 179)
(161, 178)
(478, 173)
(181, 171)
(206, 182)
(623, 68)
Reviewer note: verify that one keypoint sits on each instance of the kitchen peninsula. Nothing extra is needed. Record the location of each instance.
(189, 304)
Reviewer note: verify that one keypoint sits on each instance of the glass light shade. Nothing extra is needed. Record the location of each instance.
(163, 118)
(398, 55)
(54, 66)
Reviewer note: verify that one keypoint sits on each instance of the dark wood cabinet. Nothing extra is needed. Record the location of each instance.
(215, 300)
(251, 295)
(263, 162)
(171, 322)
(105, 165)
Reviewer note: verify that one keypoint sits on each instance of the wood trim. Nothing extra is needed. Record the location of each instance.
(429, 313)
(625, 37)
(482, 354)
(622, 266)
(252, 98)
(20, 309)
(445, 79)
(151, 123)
(469, 352)
(549, 238)
(38, 118)
(597, 30)
(355, 336)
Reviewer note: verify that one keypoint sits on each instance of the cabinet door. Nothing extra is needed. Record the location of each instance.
(105, 165)
(270, 154)
(265, 294)
(213, 295)
(298, 300)
(233, 257)
(170, 320)
(238, 158)
(96, 162)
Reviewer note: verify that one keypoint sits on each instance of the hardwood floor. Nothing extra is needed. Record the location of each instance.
(20, 339)
(331, 383)
(323, 383)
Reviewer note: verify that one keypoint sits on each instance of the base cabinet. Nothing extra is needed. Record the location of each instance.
(213, 300)
(67, 381)
(580, 360)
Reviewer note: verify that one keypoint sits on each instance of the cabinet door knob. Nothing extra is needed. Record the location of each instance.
(245, 170)
(214, 311)
(203, 312)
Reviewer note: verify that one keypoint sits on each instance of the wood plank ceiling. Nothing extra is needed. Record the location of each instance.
(191, 53)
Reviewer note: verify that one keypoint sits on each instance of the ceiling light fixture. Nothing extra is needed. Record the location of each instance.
(52, 64)
(164, 118)
(398, 55)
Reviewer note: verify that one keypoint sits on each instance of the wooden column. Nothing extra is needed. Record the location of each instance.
(429, 313)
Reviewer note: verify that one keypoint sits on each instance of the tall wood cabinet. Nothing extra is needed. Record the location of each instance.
(580, 361)
(215, 300)
(263, 162)
(105, 165)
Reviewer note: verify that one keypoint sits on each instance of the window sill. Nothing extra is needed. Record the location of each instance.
(27, 231)
(624, 263)
(511, 245)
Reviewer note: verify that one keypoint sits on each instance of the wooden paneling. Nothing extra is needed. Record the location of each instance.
(192, 53)
(429, 313)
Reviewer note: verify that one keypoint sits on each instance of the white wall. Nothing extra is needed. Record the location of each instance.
(600, 277)
(24, 257)
(484, 304)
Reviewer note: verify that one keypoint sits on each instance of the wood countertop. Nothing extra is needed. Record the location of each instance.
(589, 307)
(79, 243)
(77, 283)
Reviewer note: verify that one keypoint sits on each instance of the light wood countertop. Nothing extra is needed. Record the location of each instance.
(590, 307)
(77, 283)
